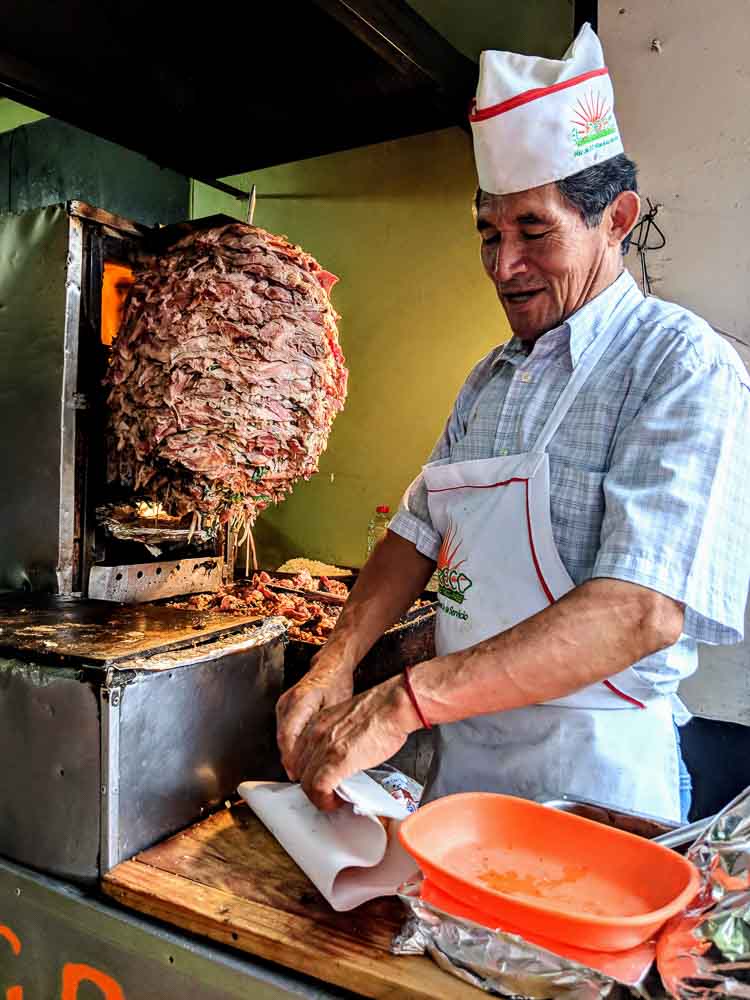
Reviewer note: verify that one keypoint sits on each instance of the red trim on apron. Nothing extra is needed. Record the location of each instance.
(547, 592)
(481, 114)
(543, 583)
(621, 694)
(487, 486)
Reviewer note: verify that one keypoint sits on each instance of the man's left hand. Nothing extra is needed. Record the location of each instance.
(352, 736)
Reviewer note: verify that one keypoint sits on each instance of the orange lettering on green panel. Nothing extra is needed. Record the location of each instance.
(11, 938)
(13, 992)
(76, 973)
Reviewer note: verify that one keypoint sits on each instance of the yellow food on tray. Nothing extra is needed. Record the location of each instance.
(313, 567)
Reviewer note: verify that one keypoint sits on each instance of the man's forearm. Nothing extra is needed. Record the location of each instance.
(388, 584)
(593, 632)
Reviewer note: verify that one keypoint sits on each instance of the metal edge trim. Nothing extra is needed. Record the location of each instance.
(109, 831)
(66, 520)
(268, 631)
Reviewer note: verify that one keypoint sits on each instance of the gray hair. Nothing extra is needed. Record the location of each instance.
(591, 190)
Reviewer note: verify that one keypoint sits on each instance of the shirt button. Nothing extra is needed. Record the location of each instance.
(524, 376)
(503, 452)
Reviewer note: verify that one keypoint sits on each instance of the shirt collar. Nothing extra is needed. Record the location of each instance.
(586, 323)
(581, 328)
(511, 351)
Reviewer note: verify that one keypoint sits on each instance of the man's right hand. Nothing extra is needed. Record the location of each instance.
(324, 685)
(391, 579)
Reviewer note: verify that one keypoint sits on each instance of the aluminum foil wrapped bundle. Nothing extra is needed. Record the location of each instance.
(494, 961)
(705, 951)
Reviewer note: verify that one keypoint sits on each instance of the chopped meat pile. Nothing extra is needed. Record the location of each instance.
(308, 620)
(304, 581)
(226, 374)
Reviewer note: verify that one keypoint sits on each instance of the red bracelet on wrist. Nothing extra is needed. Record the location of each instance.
(413, 698)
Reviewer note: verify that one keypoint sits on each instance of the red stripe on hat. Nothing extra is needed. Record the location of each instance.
(481, 114)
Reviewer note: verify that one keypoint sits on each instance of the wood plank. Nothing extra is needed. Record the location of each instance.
(232, 851)
(227, 879)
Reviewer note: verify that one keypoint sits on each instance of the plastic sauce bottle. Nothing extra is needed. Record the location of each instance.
(377, 527)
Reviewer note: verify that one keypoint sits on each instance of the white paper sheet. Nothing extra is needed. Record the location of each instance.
(347, 854)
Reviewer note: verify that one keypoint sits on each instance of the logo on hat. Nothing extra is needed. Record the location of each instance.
(592, 120)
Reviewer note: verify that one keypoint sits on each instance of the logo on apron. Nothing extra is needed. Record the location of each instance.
(453, 583)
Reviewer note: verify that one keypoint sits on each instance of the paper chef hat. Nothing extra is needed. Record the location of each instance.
(540, 120)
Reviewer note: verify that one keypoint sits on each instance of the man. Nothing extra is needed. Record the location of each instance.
(586, 504)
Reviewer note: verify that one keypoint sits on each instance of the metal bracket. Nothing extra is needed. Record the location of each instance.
(109, 833)
(133, 584)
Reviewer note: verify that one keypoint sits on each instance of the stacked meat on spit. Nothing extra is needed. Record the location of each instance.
(225, 376)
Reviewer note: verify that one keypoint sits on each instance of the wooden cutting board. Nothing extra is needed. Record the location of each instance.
(228, 879)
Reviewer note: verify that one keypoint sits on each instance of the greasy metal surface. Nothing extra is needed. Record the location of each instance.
(119, 761)
(32, 295)
(190, 732)
(94, 632)
(639, 824)
(68, 569)
(57, 925)
(140, 582)
(684, 835)
(49, 792)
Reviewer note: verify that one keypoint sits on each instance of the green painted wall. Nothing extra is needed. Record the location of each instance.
(47, 162)
(536, 27)
(394, 221)
(13, 114)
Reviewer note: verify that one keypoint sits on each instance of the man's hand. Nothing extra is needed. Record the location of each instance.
(391, 579)
(326, 684)
(352, 736)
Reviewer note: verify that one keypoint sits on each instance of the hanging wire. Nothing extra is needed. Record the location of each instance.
(640, 240)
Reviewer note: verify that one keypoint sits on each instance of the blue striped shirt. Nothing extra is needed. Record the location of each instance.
(649, 470)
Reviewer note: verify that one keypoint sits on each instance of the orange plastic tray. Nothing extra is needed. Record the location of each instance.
(628, 967)
(548, 873)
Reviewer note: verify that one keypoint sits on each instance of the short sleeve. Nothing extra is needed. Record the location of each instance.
(677, 498)
(412, 520)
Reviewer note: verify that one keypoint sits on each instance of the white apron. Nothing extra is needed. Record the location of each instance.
(612, 742)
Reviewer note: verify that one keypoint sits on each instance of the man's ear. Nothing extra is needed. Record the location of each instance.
(622, 216)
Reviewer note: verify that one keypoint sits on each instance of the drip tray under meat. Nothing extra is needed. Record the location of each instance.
(47, 629)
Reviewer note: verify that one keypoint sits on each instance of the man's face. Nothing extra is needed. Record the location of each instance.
(542, 258)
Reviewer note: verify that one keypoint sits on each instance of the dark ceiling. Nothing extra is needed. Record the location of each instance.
(236, 87)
